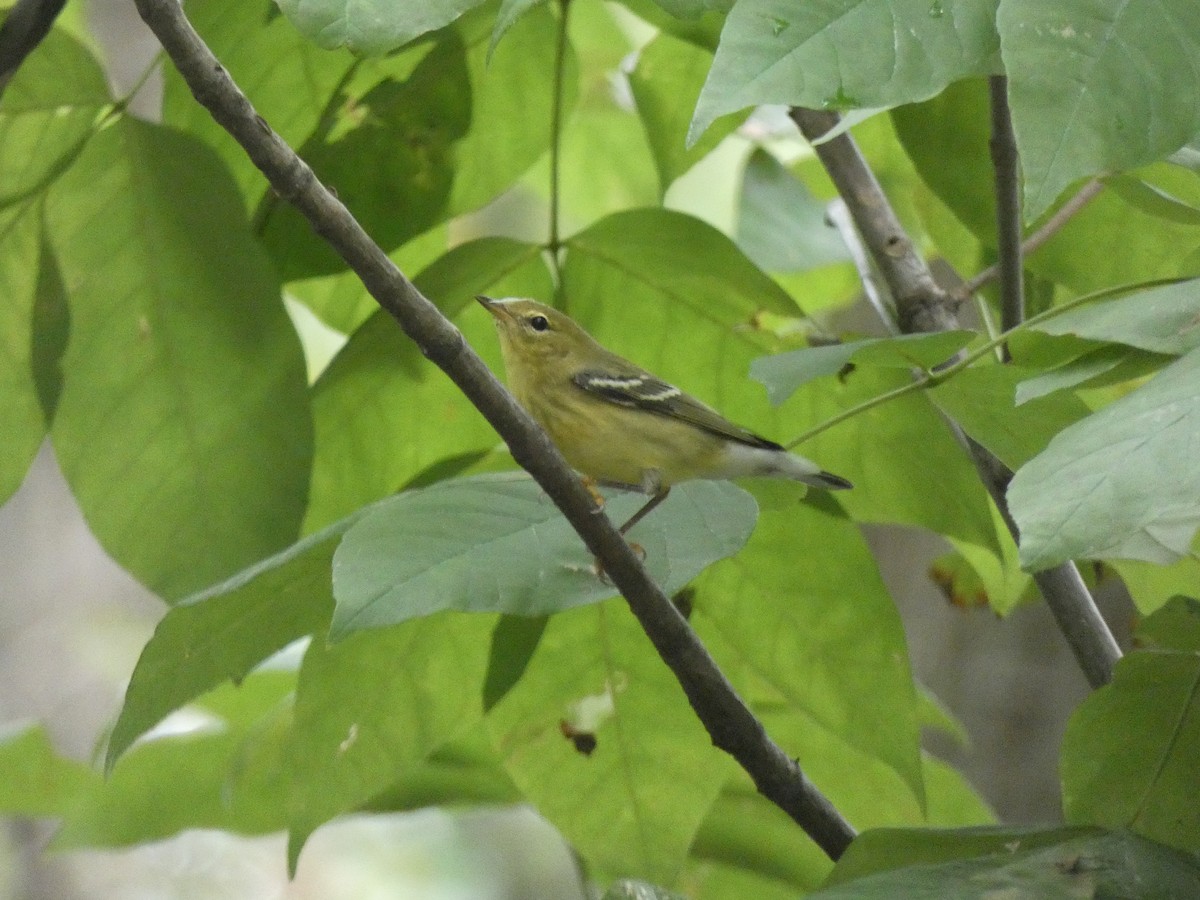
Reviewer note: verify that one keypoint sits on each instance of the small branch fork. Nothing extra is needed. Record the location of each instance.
(922, 305)
(730, 723)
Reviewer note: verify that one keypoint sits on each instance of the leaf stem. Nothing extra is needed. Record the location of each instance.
(554, 240)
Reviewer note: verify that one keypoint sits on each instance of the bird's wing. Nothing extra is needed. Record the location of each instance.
(641, 390)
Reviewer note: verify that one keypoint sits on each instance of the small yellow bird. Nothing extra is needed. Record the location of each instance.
(618, 424)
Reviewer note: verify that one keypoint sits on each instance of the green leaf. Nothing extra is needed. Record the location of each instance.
(224, 774)
(1130, 750)
(222, 633)
(292, 83)
(982, 400)
(371, 708)
(1075, 373)
(498, 544)
(775, 51)
(595, 674)
(1153, 200)
(781, 226)
(784, 374)
(512, 95)
(50, 108)
(390, 157)
(513, 644)
(510, 12)
(1099, 865)
(383, 413)
(1072, 66)
(183, 386)
(20, 407)
(1152, 586)
(1163, 319)
(1116, 483)
(1175, 626)
(370, 27)
(666, 83)
(37, 780)
(824, 635)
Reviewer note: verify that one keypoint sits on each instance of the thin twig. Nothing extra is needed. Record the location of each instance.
(923, 306)
(1006, 165)
(554, 242)
(730, 723)
(838, 215)
(1049, 228)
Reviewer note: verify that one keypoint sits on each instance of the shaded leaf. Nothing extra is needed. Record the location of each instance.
(370, 26)
(781, 226)
(626, 812)
(982, 400)
(1070, 62)
(666, 83)
(1116, 483)
(1175, 626)
(1153, 200)
(222, 633)
(498, 544)
(1100, 865)
(182, 387)
(510, 12)
(370, 709)
(775, 51)
(1130, 750)
(1164, 319)
(37, 780)
(782, 375)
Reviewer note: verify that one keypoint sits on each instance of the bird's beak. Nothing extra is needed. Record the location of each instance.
(493, 306)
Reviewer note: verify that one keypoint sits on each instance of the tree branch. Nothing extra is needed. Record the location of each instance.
(729, 721)
(922, 305)
(1006, 164)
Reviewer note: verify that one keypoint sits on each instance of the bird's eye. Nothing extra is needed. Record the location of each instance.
(538, 323)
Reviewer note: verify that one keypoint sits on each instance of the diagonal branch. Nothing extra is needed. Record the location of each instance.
(731, 724)
(924, 306)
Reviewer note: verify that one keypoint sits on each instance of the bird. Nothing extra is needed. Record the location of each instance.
(618, 424)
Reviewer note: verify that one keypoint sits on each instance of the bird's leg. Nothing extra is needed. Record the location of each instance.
(590, 485)
(659, 496)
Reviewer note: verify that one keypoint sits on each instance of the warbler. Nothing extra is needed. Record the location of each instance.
(619, 425)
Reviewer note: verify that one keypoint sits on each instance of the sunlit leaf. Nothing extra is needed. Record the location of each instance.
(370, 26)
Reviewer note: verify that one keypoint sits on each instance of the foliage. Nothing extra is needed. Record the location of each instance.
(456, 644)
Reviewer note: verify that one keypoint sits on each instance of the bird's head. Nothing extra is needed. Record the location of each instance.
(530, 330)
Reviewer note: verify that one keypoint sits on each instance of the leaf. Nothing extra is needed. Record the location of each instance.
(370, 709)
(1175, 626)
(513, 644)
(370, 27)
(982, 400)
(512, 95)
(666, 83)
(510, 12)
(37, 780)
(781, 226)
(775, 51)
(1153, 200)
(1152, 586)
(49, 110)
(223, 632)
(1091, 864)
(1115, 483)
(627, 889)
(1068, 61)
(292, 83)
(596, 674)
(390, 157)
(224, 774)
(1163, 319)
(497, 544)
(1077, 372)
(20, 407)
(383, 413)
(1130, 750)
(784, 374)
(824, 635)
(183, 387)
